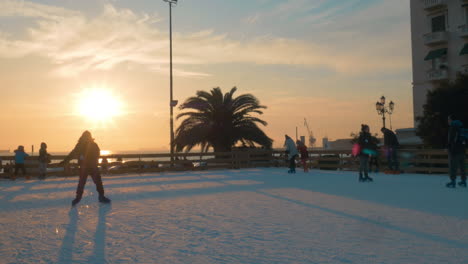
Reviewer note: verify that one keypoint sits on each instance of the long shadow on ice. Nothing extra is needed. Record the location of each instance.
(408, 231)
(99, 252)
(113, 184)
(122, 197)
(66, 251)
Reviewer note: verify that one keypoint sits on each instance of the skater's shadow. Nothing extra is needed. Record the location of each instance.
(99, 253)
(66, 251)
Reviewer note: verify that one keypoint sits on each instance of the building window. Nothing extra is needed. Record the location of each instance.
(438, 23)
(439, 63)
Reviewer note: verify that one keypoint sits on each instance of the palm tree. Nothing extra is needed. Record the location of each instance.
(220, 121)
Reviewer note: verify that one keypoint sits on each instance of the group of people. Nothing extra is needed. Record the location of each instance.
(20, 157)
(86, 151)
(293, 150)
(367, 150)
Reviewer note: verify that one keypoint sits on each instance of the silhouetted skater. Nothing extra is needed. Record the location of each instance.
(44, 159)
(304, 154)
(374, 158)
(456, 150)
(365, 147)
(87, 152)
(292, 153)
(391, 146)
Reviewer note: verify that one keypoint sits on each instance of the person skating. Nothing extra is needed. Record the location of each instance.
(374, 158)
(292, 153)
(20, 155)
(456, 151)
(365, 146)
(391, 145)
(44, 159)
(87, 152)
(304, 154)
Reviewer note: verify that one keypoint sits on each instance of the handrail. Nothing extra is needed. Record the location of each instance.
(412, 160)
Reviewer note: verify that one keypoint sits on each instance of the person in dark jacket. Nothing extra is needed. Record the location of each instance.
(456, 151)
(87, 152)
(374, 158)
(391, 145)
(302, 148)
(44, 159)
(365, 146)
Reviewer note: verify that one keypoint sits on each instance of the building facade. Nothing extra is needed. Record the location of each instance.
(439, 36)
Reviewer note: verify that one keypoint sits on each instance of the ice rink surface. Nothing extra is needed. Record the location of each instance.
(236, 216)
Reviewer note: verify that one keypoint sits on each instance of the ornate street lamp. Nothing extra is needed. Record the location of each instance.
(172, 102)
(382, 109)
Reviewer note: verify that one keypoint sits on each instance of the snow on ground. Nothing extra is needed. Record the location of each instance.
(236, 216)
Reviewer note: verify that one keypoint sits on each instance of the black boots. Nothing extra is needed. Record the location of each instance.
(75, 201)
(366, 178)
(451, 184)
(103, 199)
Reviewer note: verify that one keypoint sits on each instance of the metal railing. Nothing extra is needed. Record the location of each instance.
(437, 74)
(435, 37)
(463, 30)
(411, 160)
(431, 4)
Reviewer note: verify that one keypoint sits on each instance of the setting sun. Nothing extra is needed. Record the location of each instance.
(99, 105)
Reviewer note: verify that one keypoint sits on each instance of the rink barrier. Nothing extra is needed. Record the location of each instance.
(411, 160)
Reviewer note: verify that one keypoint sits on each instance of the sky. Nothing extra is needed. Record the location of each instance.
(324, 60)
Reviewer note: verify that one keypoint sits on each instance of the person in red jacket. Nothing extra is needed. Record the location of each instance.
(304, 154)
(87, 152)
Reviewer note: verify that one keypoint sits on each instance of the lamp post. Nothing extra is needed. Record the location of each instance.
(172, 102)
(382, 109)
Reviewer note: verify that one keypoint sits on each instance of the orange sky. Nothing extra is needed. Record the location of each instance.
(330, 75)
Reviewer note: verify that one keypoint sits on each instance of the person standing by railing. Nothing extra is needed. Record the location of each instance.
(374, 158)
(87, 152)
(456, 151)
(365, 150)
(44, 159)
(292, 152)
(20, 155)
(304, 154)
(391, 146)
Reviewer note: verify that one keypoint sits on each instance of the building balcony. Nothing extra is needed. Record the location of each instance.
(434, 4)
(464, 69)
(436, 38)
(437, 74)
(463, 30)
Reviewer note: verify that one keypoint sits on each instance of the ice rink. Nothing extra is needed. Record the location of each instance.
(236, 216)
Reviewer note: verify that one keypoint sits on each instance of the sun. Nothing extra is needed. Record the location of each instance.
(99, 105)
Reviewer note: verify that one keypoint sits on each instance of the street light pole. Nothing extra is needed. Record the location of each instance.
(383, 118)
(172, 102)
(382, 109)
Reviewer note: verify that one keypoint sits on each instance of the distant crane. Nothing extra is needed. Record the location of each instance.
(312, 139)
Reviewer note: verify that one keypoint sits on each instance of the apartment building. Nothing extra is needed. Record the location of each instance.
(439, 36)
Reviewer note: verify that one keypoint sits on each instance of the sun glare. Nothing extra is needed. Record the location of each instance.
(99, 105)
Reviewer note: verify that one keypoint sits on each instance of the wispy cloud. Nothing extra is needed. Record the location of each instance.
(77, 43)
